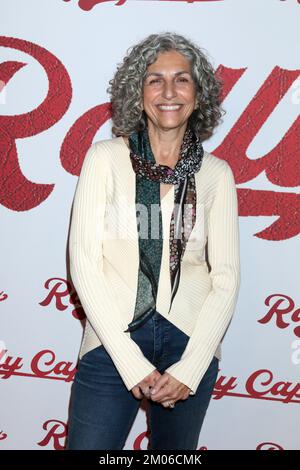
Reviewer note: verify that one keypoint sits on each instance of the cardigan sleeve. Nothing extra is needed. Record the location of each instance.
(86, 268)
(218, 307)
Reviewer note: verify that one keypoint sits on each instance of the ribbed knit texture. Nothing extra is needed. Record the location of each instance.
(103, 248)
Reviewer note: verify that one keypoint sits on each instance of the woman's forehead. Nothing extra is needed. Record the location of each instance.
(170, 61)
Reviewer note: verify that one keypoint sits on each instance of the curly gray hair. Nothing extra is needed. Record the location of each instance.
(126, 87)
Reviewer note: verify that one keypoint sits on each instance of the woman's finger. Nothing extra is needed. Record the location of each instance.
(146, 392)
(137, 392)
(166, 404)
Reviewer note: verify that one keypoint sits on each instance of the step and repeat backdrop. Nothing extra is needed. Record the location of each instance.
(57, 57)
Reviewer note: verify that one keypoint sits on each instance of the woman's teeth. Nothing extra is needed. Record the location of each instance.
(169, 108)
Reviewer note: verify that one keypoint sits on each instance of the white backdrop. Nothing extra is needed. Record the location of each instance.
(56, 60)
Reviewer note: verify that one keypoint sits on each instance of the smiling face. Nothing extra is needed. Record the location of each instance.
(169, 91)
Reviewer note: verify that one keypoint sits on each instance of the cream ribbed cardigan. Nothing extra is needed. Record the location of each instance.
(103, 248)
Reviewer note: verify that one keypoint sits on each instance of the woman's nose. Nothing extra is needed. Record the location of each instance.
(169, 90)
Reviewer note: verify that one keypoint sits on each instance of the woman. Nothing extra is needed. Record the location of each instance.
(148, 203)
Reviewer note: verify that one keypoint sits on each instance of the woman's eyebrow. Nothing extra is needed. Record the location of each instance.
(159, 74)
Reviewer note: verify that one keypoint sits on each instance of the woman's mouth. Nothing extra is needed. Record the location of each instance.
(165, 107)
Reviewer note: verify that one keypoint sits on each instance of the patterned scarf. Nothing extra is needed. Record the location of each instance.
(149, 175)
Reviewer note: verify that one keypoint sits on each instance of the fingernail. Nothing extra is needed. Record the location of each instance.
(153, 391)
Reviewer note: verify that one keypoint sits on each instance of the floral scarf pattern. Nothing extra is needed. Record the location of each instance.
(149, 175)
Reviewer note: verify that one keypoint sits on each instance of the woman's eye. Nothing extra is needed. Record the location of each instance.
(158, 80)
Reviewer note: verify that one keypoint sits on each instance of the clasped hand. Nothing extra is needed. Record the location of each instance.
(162, 388)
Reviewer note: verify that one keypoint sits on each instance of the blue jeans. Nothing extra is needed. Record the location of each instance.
(102, 410)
